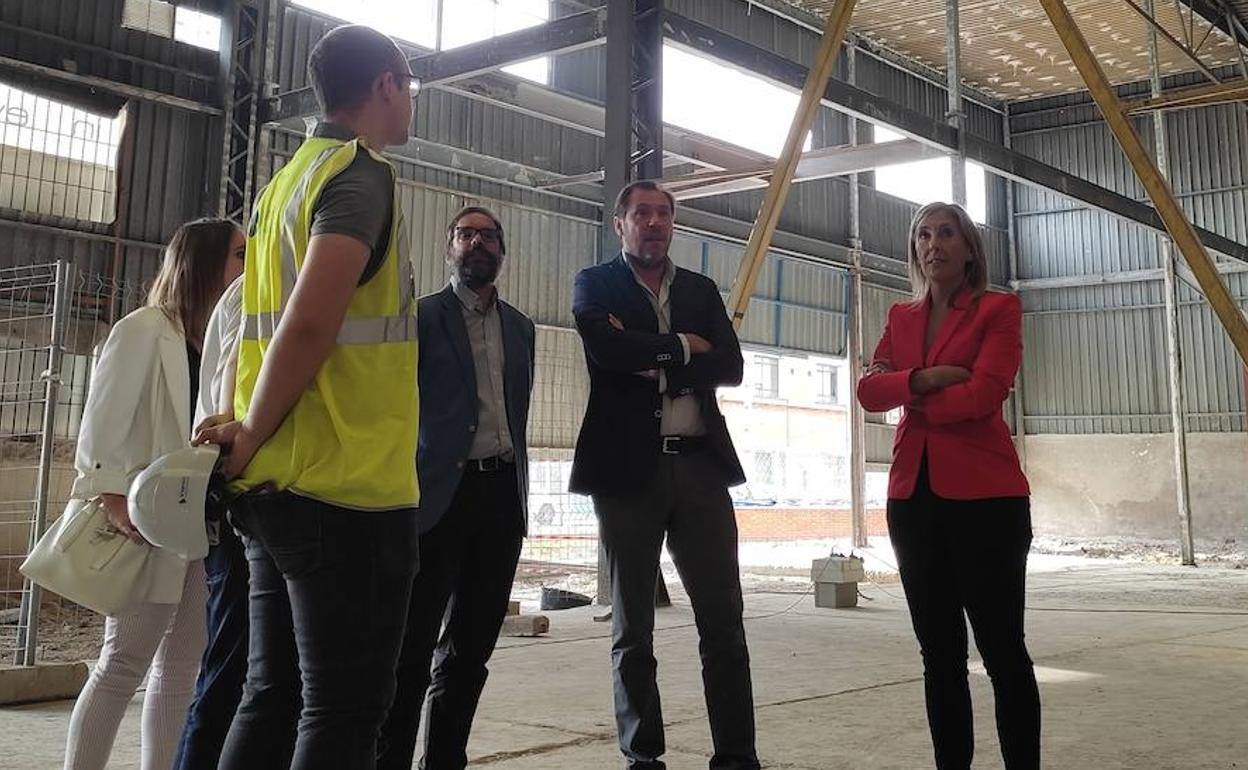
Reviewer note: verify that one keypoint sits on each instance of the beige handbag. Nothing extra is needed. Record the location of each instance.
(82, 558)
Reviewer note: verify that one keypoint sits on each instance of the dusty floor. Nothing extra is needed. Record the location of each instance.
(1141, 666)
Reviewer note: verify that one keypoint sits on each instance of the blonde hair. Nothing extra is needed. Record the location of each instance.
(189, 282)
(976, 268)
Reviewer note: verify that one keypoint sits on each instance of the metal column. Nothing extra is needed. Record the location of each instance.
(634, 141)
(1174, 349)
(243, 84)
(857, 416)
(955, 115)
(634, 110)
(1020, 411)
(768, 218)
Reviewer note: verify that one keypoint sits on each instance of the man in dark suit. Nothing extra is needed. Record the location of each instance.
(476, 377)
(655, 454)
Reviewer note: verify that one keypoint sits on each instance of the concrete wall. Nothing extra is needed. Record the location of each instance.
(1124, 486)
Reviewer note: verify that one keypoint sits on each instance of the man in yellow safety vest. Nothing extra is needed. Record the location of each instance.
(324, 443)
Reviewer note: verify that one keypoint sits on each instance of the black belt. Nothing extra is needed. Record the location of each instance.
(488, 464)
(682, 445)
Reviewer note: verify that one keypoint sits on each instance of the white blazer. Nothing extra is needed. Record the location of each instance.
(138, 408)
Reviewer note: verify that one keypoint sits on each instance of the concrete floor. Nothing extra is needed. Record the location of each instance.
(1141, 666)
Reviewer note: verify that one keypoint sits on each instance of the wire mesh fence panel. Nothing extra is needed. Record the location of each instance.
(27, 297)
(57, 160)
(561, 550)
(38, 438)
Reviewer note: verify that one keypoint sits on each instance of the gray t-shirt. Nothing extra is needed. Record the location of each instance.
(359, 202)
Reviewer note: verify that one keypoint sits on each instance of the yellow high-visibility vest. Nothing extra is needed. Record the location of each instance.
(350, 440)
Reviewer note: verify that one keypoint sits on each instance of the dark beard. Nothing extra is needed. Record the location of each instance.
(477, 273)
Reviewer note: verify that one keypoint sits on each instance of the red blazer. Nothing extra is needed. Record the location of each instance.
(970, 454)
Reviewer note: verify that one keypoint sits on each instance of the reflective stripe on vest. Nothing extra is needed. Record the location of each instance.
(354, 331)
(350, 439)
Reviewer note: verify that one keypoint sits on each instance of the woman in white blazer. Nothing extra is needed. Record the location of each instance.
(139, 407)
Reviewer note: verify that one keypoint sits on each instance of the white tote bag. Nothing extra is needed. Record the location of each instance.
(85, 560)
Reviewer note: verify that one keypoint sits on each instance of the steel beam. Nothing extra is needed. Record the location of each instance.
(816, 164)
(1157, 28)
(782, 179)
(915, 125)
(1181, 231)
(563, 35)
(1112, 279)
(538, 101)
(108, 86)
(1198, 96)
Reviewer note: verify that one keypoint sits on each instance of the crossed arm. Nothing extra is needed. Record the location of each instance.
(948, 394)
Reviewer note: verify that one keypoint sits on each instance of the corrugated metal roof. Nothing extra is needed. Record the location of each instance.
(1010, 50)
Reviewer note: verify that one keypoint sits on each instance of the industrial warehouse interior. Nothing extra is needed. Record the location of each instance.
(1099, 150)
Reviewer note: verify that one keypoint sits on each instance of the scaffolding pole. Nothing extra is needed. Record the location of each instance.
(1020, 406)
(853, 337)
(955, 116)
(1174, 347)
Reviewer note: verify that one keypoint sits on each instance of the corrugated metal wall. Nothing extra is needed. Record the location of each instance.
(1096, 354)
(166, 153)
(37, 30)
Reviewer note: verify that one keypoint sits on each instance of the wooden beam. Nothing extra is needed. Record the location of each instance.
(782, 179)
(1198, 96)
(1172, 216)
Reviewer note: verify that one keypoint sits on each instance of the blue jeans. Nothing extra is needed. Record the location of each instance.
(328, 606)
(224, 665)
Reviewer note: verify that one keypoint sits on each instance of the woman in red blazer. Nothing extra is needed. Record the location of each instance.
(958, 509)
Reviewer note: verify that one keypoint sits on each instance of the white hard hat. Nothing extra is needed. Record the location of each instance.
(167, 500)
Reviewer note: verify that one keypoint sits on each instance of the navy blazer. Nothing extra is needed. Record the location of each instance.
(617, 452)
(448, 398)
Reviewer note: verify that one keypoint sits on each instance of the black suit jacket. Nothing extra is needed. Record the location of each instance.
(448, 398)
(618, 450)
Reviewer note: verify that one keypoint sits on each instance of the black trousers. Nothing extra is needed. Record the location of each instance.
(688, 502)
(469, 561)
(964, 559)
(224, 665)
(328, 605)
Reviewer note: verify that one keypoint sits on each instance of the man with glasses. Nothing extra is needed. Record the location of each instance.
(326, 425)
(476, 376)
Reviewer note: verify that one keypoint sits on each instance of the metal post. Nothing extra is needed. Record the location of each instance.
(778, 189)
(857, 417)
(1174, 349)
(633, 143)
(1020, 410)
(1168, 209)
(51, 390)
(955, 115)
